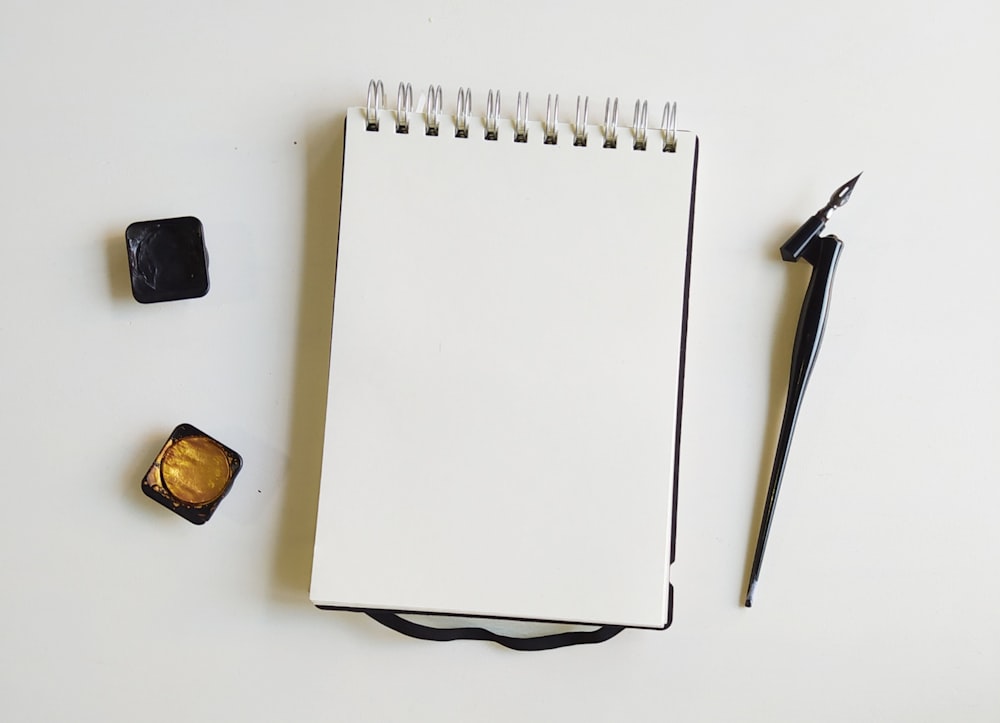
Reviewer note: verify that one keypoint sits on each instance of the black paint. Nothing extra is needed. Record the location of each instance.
(167, 259)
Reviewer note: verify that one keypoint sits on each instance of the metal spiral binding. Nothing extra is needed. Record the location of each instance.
(521, 120)
(580, 127)
(463, 112)
(375, 93)
(611, 124)
(639, 123)
(492, 115)
(491, 119)
(551, 120)
(404, 105)
(669, 127)
(433, 113)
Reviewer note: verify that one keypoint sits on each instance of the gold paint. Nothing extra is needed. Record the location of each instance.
(195, 469)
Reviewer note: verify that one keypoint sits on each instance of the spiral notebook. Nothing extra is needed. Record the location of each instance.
(507, 358)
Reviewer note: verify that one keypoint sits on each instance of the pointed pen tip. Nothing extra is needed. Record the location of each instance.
(842, 194)
(849, 186)
(750, 591)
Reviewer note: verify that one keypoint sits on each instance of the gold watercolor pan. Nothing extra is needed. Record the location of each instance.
(191, 474)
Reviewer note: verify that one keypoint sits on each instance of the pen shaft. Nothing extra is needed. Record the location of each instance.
(812, 321)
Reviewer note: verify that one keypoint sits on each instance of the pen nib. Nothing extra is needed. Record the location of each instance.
(841, 195)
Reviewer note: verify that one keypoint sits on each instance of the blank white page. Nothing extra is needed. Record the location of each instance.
(504, 374)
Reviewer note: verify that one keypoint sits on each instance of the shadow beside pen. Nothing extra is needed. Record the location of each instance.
(293, 554)
(796, 282)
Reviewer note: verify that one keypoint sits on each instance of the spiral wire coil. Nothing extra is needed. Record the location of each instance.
(433, 107)
(669, 126)
(580, 127)
(404, 106)
(521, 120)
(433, 113)
(639, 122)
(492, 115)
(611, 124)
(462, 113)
(551, 121)
(375, 93)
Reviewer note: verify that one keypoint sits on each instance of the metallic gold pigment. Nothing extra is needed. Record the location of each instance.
(195, 470)
(191, 474)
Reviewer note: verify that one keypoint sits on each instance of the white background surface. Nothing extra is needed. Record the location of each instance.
(879, 592)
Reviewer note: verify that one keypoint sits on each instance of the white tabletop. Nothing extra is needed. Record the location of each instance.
(878, 594)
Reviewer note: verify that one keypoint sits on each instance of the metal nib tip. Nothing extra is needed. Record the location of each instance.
(842, 194)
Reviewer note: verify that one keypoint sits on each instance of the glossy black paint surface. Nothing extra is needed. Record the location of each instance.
(167, 259)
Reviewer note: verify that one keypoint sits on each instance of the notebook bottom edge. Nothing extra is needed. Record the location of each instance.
(355, 609)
